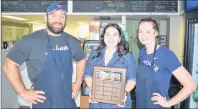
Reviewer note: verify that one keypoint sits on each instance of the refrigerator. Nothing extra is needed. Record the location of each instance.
(191, 52)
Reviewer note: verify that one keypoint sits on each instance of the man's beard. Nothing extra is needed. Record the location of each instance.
(53, 30)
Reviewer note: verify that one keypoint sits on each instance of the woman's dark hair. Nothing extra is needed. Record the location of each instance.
(122, 45)
(154, 22)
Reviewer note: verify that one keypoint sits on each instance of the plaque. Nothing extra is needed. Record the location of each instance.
(108, 84)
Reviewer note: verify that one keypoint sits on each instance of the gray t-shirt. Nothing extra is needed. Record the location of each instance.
(32, 48)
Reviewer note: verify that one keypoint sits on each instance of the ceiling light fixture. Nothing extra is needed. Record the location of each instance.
(34, 22)
(13, 17)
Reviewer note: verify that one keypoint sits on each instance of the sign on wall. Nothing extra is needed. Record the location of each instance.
(9, 6)
(114, 6)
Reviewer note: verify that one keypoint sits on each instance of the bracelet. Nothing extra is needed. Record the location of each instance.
(126, 93)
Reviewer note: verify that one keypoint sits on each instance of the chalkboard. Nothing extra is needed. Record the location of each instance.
(9, 6)
(114, 6)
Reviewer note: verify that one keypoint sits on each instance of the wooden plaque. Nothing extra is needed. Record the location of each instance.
(108, 84)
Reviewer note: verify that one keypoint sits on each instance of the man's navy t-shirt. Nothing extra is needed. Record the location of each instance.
(32, 48)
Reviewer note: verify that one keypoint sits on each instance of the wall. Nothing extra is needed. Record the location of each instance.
(9, 96)
(0, 55)
(176, 36)
(77, 30)
(131, 28)
(38, 26)
(10, 32)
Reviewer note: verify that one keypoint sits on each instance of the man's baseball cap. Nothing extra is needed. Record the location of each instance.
(54, 7)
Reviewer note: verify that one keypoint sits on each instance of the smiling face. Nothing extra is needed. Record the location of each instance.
(147, 33)
(56, 21)
(111, 37)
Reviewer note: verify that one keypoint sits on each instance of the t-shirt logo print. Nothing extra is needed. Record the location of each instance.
(148, 63)
(61, 48)
(155, 58)
(60, 6)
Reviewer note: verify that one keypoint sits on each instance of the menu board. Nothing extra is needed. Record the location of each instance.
(9, 6)
(125, 6)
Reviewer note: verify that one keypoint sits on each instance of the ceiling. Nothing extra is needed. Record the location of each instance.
(40, 19)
